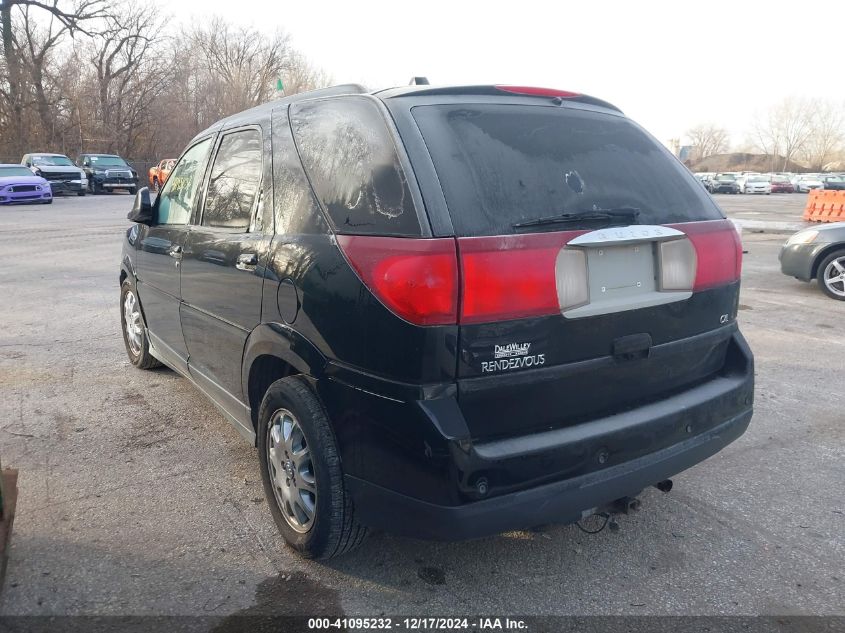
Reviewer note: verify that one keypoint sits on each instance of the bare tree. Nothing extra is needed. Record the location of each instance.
(73, 18)
(127, 84)
(827, 130)
(708, 139)
(785, 130)
(102, 75)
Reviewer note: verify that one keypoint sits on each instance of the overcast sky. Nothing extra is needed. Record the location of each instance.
(668, 65)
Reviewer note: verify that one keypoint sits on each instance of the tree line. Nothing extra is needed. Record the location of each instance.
(117, 76)
(795, 130)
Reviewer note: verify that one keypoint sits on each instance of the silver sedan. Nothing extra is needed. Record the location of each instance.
(817, 253)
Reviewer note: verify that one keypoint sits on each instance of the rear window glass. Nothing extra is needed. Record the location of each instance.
(500, 165)
(353, 165)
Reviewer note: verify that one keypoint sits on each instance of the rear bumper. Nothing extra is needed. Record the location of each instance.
(414, 469)
(558, 502)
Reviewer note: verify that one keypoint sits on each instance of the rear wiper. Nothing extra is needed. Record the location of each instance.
(616, 214)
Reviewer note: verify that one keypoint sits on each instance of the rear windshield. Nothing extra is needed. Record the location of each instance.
(501, 165)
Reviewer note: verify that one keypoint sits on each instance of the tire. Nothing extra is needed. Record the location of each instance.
(81, 194)
(290, 409)
(132, 190)
(138, 351)
(833, 261)
(50, 201)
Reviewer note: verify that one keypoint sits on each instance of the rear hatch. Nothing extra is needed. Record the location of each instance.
(595, 273)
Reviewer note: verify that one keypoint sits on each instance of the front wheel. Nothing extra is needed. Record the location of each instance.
(134, 328)
(831, 275)
(301, 472)
(81, 193)
(132, 190)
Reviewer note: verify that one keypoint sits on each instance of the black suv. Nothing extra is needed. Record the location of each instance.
(107, 173)
(443, 312)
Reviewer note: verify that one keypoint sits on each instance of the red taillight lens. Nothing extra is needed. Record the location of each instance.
(416, 279)
(538, 92)
(509, 276)
(718, 250)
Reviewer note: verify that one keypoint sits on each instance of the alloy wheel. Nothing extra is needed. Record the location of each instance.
(132, 323)
(291, 471)
(834, 277)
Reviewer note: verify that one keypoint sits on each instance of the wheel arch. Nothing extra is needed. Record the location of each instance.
(275, 351)
(832, 248)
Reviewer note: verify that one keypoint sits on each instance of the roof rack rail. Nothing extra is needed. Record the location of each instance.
(342, 89)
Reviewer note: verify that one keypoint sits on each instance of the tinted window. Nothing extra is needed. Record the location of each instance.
(233, 182)
(349, 154)
(506, 164)
(296, 210)
(176, 200)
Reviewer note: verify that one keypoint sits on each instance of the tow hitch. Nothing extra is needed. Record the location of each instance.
(623, 505)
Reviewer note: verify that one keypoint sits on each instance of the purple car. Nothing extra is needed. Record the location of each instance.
(19, 185)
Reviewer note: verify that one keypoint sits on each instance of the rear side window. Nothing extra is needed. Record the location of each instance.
(234, 181)
(501, 165)
(349, 155)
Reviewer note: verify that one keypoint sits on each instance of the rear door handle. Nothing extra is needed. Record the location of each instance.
(247, 261)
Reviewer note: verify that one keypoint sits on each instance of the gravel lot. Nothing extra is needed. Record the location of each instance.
(137, 497)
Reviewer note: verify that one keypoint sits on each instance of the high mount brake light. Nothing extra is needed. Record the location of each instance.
(538, 92)
(416, 279)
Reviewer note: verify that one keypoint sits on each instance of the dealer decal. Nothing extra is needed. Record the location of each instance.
(512, 356)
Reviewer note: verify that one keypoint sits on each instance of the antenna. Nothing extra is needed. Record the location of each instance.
(419, 81)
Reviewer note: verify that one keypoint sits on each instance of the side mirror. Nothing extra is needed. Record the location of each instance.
(142, 210)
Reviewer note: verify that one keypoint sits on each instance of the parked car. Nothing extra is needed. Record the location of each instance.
(781, 184)
(834, 182)
(59, 171)
(817, 253)
(159, 173)
(19, 185)
(805, 183)
(108, 172)
(756, 184)
(723, 183)
(434, 321)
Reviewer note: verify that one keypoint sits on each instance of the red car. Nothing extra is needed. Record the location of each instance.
(781, 184)
(160, 172)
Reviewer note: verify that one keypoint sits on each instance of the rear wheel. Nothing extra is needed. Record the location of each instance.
(134, 328)
(831, 275)
(132, 190)
(81, 193)
(301, 471)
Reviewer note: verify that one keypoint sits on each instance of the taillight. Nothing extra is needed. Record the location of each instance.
(510, 276)
(538, 92)
(417, 279)
(718, 251)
